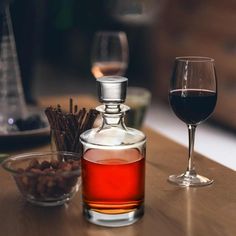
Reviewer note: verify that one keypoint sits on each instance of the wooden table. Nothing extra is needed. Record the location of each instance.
(169, 210)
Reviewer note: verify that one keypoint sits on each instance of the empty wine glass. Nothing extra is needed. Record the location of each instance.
(109, 53)
(192, 96)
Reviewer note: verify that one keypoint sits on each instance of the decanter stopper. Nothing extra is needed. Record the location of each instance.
(112, 89)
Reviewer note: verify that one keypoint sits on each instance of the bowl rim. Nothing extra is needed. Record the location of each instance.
(29, 155)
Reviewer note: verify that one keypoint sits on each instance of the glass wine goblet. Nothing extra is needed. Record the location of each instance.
(109, 53)
(192, 96)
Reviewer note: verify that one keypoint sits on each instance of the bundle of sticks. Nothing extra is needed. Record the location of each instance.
(66, 127)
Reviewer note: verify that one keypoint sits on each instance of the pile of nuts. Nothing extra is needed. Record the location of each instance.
(48, 179)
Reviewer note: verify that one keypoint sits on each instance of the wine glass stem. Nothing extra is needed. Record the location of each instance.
(191, 136)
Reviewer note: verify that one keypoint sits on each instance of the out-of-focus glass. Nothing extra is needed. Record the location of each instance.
(12, 103)
(138, 99)
(109, 54)
(134, 11)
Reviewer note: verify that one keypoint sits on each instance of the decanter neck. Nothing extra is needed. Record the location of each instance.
(113, 114)
(113, 120)
(112, 108)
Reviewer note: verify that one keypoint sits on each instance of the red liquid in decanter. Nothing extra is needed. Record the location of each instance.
(113, 180)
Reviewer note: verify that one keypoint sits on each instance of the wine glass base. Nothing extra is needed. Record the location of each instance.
(186, 180)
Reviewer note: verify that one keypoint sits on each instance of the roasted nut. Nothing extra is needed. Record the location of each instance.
(48, 171)
(20, 170)
(41, 188)
(45, 165)
(34, 164)
(46, 179)
(36, 171)
(24, 180)
(72, 181)
(61, 181)
(54, 164)
(75, 165)
(65, 166)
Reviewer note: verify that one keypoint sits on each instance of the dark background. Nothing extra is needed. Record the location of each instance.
(54, 40)
(59, 33)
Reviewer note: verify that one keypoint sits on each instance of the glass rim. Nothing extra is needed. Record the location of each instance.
(134, 92)
(112, 79)
(194, 59)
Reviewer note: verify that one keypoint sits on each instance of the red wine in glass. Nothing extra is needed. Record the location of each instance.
(192, 96)
(192, 106)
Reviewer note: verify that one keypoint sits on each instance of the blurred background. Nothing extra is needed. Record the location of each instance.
(54, 40)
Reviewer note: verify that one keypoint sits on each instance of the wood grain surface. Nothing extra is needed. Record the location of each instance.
(169, 210)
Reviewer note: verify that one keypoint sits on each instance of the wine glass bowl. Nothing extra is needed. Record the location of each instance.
(192, 106)
(192, 96)
(109, 54)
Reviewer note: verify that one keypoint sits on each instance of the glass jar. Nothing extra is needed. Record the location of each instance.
(113, 162)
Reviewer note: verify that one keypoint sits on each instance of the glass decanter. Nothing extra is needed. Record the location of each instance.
(113, 162)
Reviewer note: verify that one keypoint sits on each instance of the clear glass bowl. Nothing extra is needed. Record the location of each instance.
(46, 179)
